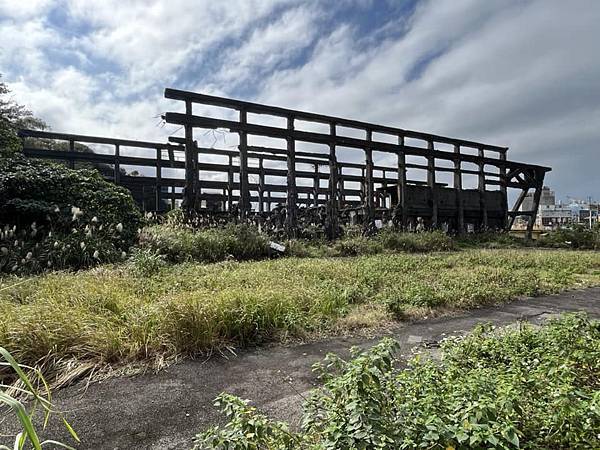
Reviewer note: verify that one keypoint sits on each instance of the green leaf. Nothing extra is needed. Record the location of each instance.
(24, 418)
(71, 430)
(58, 444)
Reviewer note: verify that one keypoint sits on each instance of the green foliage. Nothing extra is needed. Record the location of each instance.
(353, 409)
(490, 239)
(246, 429)
(575, 236)
(385, 241)
(54, 217)
(30, 189)
(430, 241)
(126, 313)
(145, 262)
(517, 388)
(179, 244)
(32, 250)
(31, 391)
(12, 118)
(356, 246)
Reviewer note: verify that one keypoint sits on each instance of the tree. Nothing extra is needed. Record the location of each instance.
(13, 117)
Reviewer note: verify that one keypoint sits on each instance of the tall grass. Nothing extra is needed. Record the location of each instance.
(179, 244)
(119, 315)
(385, 241)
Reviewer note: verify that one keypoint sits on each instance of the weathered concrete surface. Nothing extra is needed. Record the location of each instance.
(165, 410)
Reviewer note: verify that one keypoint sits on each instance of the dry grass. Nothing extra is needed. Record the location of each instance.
(116, 316)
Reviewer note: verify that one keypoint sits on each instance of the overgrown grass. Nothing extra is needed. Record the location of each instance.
(518, 388)
(575, 236)
(386, 241)
(179, 243)
(122, 314)
(490, 239)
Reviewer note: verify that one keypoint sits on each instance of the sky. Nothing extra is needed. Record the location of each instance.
(518, 73)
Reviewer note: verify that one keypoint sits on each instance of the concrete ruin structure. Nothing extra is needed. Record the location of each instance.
(291, 169)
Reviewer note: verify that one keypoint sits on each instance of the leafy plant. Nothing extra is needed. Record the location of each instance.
(52, 217)
(246, 429)
(497, 389)
(179, 244)
(47, 193)
(29, 434)
(575, 236)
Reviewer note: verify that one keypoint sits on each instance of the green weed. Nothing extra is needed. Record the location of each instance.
(524, 388)
(146, 310)
(28, 387)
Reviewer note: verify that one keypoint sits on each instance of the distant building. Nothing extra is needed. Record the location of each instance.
(555, 215)
(548, 198)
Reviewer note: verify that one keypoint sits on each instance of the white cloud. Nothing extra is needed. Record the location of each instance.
(21, 9)
(23, 47)
(515, 73)
(152, 42)
(266, 48)
(512, 73)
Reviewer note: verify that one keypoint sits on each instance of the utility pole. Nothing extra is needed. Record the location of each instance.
(590, 210)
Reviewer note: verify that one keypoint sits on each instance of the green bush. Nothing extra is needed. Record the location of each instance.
(515, 388)
(179, 244)
(26, 251)
(388, 240)
(46, 193)
(430, 241)
(356, 246)
(576, 236)
(52, 217)
(490, 239)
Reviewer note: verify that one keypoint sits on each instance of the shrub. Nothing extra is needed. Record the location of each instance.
(179, 244)
(429, 241)
(26, 251)
(246, 423)
(304, 248)
(45, 193)
(490, 239)
(518, 388)
(576, 236)
(356, 246)
(55, 217)
(392, 241)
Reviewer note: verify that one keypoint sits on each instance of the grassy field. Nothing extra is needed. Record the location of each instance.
(118, 315)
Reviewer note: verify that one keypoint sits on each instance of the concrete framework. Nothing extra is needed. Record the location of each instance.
(315, 184)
